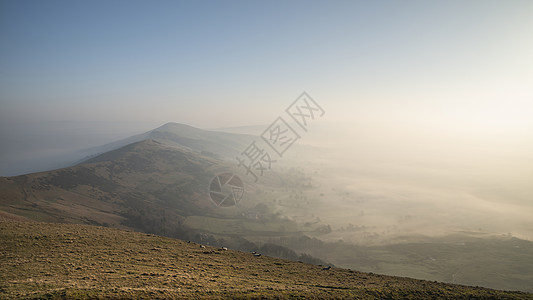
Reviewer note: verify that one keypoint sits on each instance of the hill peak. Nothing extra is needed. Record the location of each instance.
(177, 126)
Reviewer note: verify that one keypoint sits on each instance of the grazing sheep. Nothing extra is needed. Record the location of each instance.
(326, 268)
(202, 246)
(224, 248)
(257, 254)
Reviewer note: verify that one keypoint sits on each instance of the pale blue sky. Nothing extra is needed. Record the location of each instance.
(230, 63)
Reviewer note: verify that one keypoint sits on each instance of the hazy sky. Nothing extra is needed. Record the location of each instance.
(230, 63)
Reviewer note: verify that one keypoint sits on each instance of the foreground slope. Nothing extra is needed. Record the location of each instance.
(80, 261)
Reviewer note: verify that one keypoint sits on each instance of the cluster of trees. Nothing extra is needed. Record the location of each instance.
(351, 227)
(286, 253)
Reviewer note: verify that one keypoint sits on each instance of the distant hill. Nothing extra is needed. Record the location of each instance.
(214, 143)
(52, 261)
(126, 187)
(37, 147)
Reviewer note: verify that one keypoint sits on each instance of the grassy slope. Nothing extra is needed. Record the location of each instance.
(58, 260)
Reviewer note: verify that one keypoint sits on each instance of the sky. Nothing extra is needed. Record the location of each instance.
(233, 63)
(390, 73)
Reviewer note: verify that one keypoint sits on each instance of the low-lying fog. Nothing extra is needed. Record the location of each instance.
(397, 178)
(34, 146)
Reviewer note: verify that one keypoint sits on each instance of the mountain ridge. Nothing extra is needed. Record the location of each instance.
(215, 143)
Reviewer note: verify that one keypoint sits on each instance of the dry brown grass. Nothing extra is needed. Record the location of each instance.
(44, 260)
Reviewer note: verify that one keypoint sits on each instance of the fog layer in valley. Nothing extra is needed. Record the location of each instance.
(398, 178)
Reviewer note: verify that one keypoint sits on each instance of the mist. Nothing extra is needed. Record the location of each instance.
(407, 178)
(34, 146)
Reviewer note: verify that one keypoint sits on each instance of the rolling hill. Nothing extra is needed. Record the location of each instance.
(117, 188)
(214, 143)
(148, 186)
